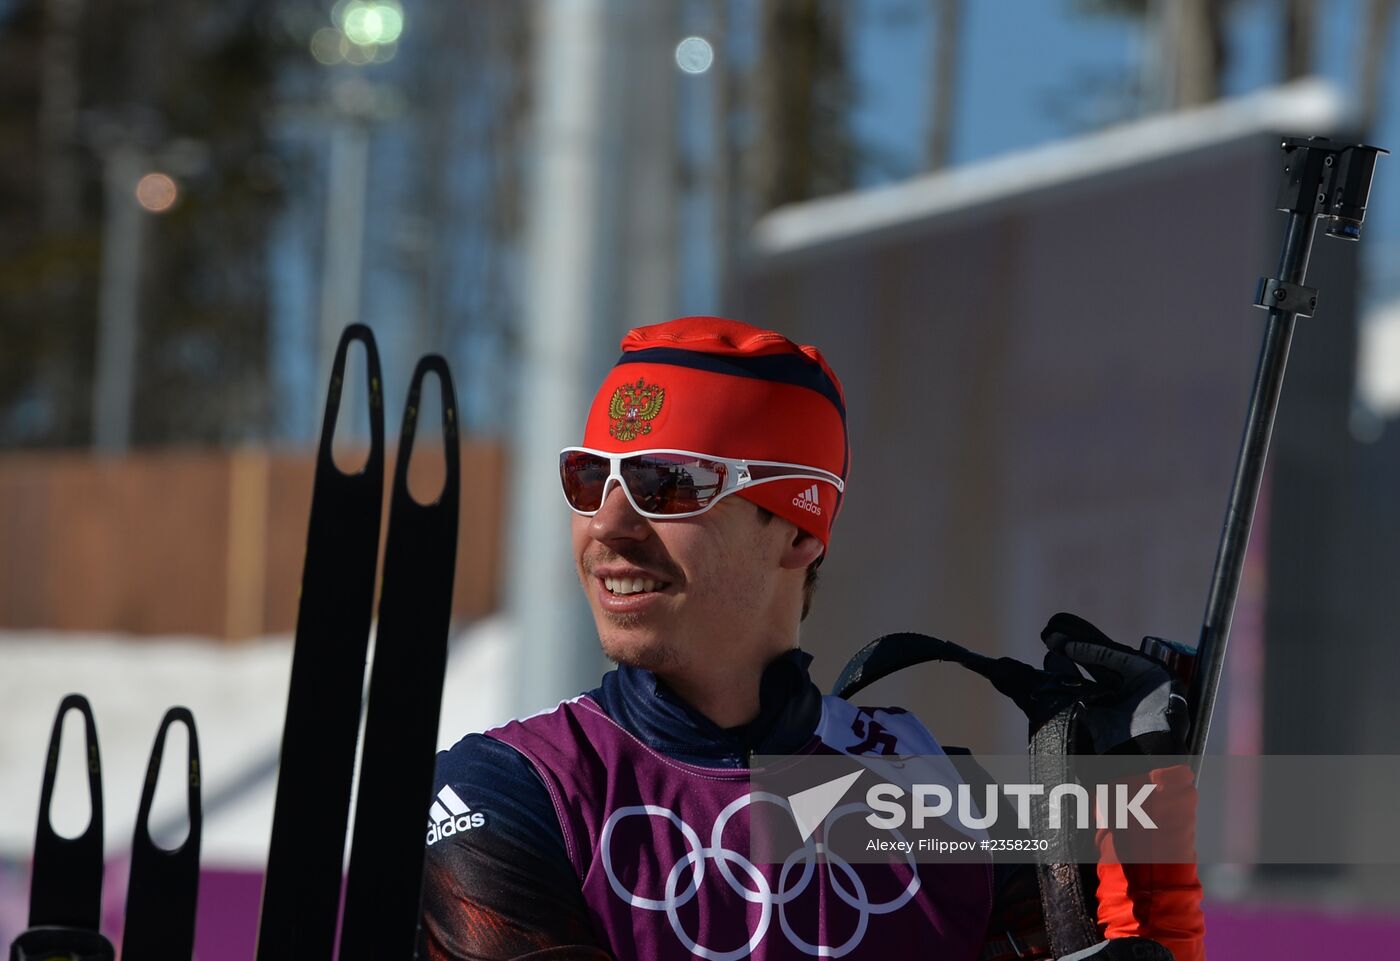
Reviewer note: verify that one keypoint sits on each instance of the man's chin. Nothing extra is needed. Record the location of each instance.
(638, 649)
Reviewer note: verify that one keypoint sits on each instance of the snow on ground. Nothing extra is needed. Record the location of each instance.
(238, 695)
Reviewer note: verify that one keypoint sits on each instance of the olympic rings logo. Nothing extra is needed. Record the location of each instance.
(761, 892)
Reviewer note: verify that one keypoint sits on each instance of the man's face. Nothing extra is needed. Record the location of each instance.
(709, 585)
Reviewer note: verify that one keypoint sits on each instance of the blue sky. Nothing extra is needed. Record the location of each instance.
(1033, 72)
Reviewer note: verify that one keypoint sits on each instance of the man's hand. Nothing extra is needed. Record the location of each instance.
(1134, 704)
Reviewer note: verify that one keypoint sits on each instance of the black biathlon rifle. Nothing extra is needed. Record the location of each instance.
(1323, 181)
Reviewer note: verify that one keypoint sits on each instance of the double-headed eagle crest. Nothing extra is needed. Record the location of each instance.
(633, 408)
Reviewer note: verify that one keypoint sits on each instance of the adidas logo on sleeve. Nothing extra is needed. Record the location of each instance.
(808, 501)
(450, 815)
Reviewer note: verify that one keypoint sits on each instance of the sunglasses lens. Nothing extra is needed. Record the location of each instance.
(584, 476)
(667, 484)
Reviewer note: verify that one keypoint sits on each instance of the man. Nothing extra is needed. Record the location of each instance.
(713, 464)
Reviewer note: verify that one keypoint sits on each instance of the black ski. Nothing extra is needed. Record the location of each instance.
(384, 888)
(163, 890)
(301, 892)
(65, 894)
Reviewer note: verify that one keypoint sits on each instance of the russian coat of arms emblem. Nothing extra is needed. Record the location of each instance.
(633, 408)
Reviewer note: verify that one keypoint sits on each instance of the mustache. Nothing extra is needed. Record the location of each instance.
(598, 555)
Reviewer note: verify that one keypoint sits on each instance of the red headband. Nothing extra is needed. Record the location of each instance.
(716, 386)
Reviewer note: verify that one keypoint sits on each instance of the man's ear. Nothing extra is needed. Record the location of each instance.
(801, 550)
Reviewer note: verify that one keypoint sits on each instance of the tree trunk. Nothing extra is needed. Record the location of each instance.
(58, 117)
(804, 147)
(60, 214)
(1379, 16)
(646, 160)
(723, 179)
(1194, 38)
(1299, 33)
(948, 23)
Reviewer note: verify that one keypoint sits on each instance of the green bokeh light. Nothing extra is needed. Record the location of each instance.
(371, 22)
(391, 19)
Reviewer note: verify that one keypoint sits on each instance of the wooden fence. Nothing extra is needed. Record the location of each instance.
(205, 542)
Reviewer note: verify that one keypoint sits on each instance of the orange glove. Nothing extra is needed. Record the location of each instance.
(1150, 899)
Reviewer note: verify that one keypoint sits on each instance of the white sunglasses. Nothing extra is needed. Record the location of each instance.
(669, 484)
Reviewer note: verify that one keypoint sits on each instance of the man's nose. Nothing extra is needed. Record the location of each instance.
(617, 520)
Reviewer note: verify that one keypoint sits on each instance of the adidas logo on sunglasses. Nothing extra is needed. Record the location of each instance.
(808, 501)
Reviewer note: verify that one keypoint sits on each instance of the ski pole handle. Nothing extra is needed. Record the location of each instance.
(163, 888)
(65, 895)
(66, 888)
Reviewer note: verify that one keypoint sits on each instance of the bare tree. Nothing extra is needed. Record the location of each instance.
(1299, 31)
(1379, 16)
(58, 116)
(648, 161)
(1184, 65)
(804, 147)
(947, 33)
(83, 78)
(473, 85)
(60, 214)
(725, 182)
(1194, 36)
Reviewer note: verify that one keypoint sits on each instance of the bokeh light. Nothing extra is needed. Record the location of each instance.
(355, 53)
(156, 192)
(694, 55)
(325, 46)
(363, 24)
(368, 22)
(364, 32)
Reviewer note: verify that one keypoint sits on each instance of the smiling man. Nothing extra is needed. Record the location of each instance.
(700, 588)
(713, 463)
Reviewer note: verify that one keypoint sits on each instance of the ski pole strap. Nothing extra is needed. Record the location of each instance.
(163, 890)
(1039, 694)
(66, 890)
